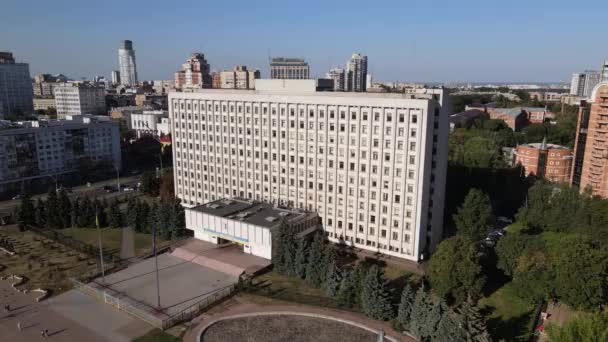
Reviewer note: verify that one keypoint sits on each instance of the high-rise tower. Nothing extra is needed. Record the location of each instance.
(356, 73)
(126, 61)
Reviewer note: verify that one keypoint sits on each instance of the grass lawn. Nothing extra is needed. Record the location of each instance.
(46, 264)
(510, 317)
(292, 289)
(111, 238)
(157, 335)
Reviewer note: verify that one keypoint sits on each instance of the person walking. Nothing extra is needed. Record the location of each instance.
(19, 326)
(46, 332)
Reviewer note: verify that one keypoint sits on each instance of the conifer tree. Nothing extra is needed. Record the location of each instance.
(115, 218)
(279, 236)
(26, 211)
(332, 281)
(420, 311)
(315, 268)
(449, 328)
(40, 214)
(53, 218)
(347, 295)
(473, 322)
(329, 260)
(65, 209)
(289, 250)
(375, 298)
(301, 258)
(131, 214)
(405, 307)
(436, 309)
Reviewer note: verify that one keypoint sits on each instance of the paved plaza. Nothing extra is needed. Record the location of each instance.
(182, 284)
(71, 316)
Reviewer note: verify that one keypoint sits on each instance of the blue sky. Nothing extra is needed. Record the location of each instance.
(408, 40)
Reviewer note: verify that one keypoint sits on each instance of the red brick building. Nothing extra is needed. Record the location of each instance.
(517, 117)
(550, 161)
(591, 157)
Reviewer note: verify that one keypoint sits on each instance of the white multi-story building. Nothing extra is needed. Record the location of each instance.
(37, 149)
(372, 165)
(337, 75)
(77, 98)
(127, 64)
(150, 122)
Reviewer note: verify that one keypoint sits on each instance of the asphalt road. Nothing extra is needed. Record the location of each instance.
(95, 190)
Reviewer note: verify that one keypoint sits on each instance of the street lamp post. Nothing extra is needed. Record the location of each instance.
(117, 177)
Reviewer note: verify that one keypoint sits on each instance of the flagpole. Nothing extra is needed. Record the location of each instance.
(103, 275)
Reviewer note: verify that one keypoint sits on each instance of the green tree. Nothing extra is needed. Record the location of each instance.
(279, 236)
(149, 184)
(40, 214)
(450, 328)
(53, 218)
(65, 209)
(454, 270)
(481, 152)
(474, 216)
(301, 258)
(131, 213)
(406, 305)
(586, 327)
(141, 217)
(437, 310)
(315, 268)
(347, 295)
(75, 212)
(420, 311)
(376, 297)
(581, 273)
(115, 218)
(473, 322)
(26, 212)
(332, 280)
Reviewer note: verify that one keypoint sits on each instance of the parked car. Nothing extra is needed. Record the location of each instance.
(16, 197)
(109, 188)
(127, 189)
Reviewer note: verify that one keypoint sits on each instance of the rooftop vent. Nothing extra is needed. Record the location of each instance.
(213, 206)
(283, 213)
(243, 214)
(271, 219)
(227, 202)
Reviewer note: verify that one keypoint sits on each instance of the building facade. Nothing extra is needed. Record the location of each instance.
(127, 64)
(245, 222)
(36, 149)
(337, 75)
(590, 170)
(115, 77)
(194, 73)
(604, 72)
(356, 73)
(373, 166)
(16, 92)
(239, 78)
(41, 103)
(582, 84)
(553, 162)
(150, 122)
(77, 98)
(289, 68)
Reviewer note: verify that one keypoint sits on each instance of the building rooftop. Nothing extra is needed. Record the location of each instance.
(545, 146)
(256, 213)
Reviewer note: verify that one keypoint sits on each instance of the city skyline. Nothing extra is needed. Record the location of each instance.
(499, 43)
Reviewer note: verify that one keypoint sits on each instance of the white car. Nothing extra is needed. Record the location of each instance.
(127, 189)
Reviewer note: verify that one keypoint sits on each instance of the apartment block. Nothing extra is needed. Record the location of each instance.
(37, 149)
(289, 68)
(194, 73)
(590, 170)
(77, 98)
(372, 166)
(239, 78)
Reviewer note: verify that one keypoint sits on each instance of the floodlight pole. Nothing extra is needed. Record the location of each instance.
(103, 275)
(156, 266)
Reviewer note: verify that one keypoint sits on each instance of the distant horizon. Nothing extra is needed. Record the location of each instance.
(433, 40)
